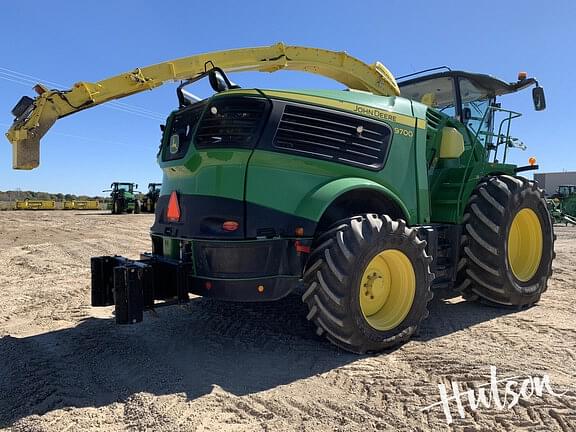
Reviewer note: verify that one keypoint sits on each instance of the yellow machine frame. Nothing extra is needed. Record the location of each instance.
(81, 205)
(50, 105)
(35, 205)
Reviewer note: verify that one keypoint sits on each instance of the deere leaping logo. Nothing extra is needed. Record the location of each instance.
(174, 144)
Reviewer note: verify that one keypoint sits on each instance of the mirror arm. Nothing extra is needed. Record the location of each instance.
(182, 101)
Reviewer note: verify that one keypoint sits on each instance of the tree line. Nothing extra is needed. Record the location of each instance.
(32, 195)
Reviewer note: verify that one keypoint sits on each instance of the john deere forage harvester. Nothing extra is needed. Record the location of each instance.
(367, 197)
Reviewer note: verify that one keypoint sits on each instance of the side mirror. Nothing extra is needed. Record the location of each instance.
(466, 114)
(162, 127)
(217, 81)
(539, 98)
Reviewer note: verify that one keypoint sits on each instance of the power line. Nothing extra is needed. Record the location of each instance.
(81, 137)
(123, 104)
(8, 78)
(131, 109)
(32, 79)
(141, 114)
(25, 79)
(13, 72)
(91, 139)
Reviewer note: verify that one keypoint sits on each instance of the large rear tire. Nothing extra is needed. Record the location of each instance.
(507, 245)
(368, 283)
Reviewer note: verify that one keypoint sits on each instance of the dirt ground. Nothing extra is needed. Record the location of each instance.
(213, 366)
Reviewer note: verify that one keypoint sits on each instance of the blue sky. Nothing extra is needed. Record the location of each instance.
(65, 42)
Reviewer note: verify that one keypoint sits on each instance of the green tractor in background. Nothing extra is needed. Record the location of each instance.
(562, 205)
(366, 199)
(123, 198)
(151, 197)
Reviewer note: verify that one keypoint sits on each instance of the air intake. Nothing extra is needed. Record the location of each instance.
(433, 119)
(231, 123)
(331, 135)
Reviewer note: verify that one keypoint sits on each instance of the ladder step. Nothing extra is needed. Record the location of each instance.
(446, 201)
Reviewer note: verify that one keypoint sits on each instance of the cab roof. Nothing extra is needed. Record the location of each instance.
(494, 86)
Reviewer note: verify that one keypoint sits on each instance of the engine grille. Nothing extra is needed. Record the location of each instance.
(230, 122)
(330, 135)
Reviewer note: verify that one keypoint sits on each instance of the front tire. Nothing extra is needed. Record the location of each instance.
(368, 283)
(507, 247)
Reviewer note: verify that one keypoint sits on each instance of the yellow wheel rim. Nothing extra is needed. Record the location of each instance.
(525, 244)
(387, 289)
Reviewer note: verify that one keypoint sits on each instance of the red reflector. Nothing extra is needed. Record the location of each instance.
(230, 226)
(301, 248)
(173, 212)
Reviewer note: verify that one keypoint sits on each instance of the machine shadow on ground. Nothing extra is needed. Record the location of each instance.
(242, 348)
(109, 213)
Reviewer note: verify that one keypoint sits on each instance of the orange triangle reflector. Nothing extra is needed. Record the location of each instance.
(173, 212)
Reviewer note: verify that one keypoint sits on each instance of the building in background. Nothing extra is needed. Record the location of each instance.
(550, 181)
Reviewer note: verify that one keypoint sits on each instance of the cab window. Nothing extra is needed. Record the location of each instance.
(438, 93)
(476, 112)
(181, 129)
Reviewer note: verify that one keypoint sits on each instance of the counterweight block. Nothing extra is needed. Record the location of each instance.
(133, 286)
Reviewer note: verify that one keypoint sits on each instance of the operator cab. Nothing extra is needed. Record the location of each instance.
(154, 187)
(471, 99)
(566, 190)
(129, 187)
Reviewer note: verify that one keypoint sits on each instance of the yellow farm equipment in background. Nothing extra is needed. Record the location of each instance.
(35, 205)
(81, 205)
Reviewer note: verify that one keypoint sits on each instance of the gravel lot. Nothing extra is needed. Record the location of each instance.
(213, 366)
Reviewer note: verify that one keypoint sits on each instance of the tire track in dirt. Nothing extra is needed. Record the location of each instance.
(212, 366)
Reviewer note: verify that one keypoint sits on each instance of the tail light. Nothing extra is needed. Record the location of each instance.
(230, 226)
